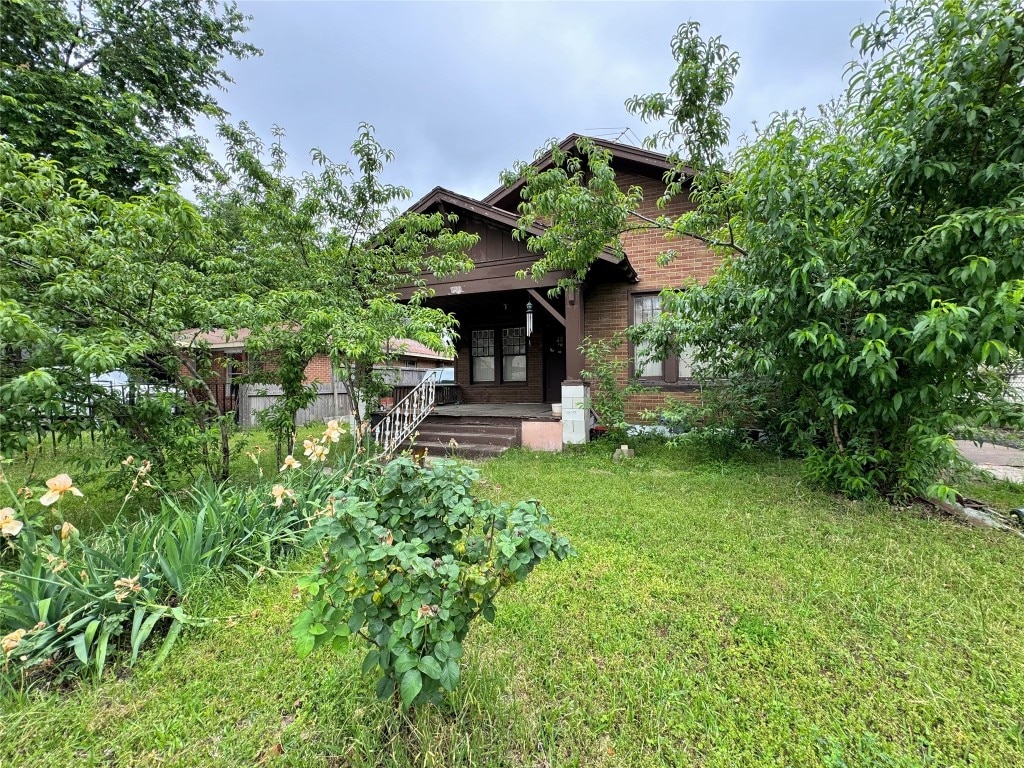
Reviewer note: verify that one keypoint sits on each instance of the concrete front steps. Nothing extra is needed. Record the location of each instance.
(476, 437)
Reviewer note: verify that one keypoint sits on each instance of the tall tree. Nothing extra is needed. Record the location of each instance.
(325, 255)
(93, 284)
(111, 89)
(874, 254)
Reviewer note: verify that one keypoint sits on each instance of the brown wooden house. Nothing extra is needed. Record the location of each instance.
(502, 369)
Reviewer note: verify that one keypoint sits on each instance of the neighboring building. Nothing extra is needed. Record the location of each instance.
(229, 360)
(497, 362)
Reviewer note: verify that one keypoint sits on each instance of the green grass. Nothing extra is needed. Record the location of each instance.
(718, 614)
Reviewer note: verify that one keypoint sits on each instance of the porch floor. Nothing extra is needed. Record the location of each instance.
(525, 411)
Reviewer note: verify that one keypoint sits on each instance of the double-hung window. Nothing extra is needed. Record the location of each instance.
(482, 352)
(645, 310)
(671, 370)
(504, 345)
(513, 354)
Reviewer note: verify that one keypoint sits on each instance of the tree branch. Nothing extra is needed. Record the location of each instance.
(706, 240)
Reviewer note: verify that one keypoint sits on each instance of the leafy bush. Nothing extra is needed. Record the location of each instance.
(180, 438)
(725, 418)
(697, 425)
(606, 370)
(411, 558)
(66, 602)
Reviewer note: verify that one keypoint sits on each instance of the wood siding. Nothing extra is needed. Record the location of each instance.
(497, 257)
(495, 244)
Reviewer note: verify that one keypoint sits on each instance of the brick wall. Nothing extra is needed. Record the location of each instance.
(606, 307)
(318, 370)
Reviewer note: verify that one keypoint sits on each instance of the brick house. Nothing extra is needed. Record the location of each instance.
(499, 362)
(518, 349)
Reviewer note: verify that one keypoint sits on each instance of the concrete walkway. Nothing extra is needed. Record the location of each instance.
(998, 460)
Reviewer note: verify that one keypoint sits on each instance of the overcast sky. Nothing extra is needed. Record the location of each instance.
(462, 90)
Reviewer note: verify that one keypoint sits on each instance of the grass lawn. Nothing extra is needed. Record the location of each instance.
(717, 615)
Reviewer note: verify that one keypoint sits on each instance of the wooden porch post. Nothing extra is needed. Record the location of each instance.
(573, 334)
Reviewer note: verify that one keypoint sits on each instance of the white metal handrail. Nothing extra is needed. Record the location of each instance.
(401, 421)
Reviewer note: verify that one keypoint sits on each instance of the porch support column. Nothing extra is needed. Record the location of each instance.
(573, 334)
(575, 392)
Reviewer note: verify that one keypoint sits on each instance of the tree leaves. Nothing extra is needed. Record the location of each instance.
(95, 285)
(74, 76)
(872, 252)
(412, 684)
(325, 254)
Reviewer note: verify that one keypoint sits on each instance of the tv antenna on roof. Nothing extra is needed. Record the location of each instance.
(618, 135)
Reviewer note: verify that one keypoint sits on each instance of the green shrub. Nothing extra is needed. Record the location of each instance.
(718, 424)
(411, 558)
(608, 395)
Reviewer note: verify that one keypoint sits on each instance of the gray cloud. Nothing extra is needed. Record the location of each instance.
(462, 90)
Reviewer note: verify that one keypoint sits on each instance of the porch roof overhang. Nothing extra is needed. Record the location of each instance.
(501, 276)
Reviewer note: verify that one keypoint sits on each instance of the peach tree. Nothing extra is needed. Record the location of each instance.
(872, 284)
(411, 558)
(326, 254)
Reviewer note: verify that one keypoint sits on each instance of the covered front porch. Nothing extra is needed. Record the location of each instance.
(518, 348)
(514, 346)
(517, 373)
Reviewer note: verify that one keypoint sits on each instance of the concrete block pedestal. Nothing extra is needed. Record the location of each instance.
(623, 452)
(542, 435)
(575, 412)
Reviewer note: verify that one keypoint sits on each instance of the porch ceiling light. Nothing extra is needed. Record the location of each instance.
(529, 318)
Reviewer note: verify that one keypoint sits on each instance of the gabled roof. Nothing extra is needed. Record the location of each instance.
(441, 198)
(655, 161)
(218, 338)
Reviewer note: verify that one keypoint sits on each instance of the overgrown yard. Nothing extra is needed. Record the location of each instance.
(87, 462)
(717, 615)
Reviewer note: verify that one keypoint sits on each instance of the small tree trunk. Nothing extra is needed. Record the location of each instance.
(225, 448)
(211, 398)
(292, 433)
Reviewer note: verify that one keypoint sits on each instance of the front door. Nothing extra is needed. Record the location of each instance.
(554, 364)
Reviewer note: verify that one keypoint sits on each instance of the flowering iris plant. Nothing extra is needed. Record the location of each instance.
(58, 486)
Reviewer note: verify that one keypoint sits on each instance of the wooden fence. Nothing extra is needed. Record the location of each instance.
(332, 402)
